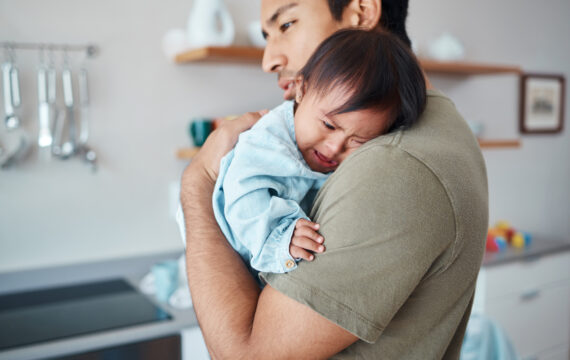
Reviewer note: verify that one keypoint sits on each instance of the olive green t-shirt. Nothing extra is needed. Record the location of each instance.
(404, 220)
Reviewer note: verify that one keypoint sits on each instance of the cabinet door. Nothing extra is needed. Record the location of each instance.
(535, 320)
(560, 353)
(515, 277)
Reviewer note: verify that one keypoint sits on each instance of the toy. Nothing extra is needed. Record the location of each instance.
(502, 234)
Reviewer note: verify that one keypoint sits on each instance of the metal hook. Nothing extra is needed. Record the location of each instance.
(66, 57)
(42, 55)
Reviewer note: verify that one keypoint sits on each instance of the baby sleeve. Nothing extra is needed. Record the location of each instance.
(257, 203)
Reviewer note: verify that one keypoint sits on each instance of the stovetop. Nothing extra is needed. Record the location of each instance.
(33, 317)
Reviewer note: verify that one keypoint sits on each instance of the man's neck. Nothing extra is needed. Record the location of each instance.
(429, 86)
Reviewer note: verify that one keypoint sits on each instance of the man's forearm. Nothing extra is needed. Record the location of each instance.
(223, 292)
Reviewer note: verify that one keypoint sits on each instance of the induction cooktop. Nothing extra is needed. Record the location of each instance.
(43, 315)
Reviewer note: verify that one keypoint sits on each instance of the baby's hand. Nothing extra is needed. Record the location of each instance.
(306, 238)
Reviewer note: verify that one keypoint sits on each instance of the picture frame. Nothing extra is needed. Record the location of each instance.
(542, 98)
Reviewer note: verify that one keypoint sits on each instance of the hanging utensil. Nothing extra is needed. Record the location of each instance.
(51, 84)
(83, 106)
(15, 81)
(88, 155)
(58, 129)
(10, 119)
(15, 143)
(69, 147)
(45, 138)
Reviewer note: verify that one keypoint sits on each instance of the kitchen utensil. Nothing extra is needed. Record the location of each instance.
(11, 90)
(210, 24)
(15, 143)
(45, 138)
(69, 146)
(59, 128)
(83, 106)
(85, 152)
(51, 84)
(19, 143)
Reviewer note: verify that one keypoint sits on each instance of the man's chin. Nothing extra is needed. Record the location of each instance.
(289, 94)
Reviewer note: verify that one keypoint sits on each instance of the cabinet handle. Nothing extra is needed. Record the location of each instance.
(530, 294)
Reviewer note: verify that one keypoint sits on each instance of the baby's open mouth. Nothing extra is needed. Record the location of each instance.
(325, 160)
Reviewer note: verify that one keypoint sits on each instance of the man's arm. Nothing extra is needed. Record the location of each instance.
(237, 320)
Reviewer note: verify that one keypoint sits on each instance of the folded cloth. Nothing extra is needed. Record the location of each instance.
(486, 340)
(181, 224)
(181, 298)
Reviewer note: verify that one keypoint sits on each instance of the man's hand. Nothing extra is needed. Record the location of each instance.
(238, 320)
(306, 238)
(220, 142)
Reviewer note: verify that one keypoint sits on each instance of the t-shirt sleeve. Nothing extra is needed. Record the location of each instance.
(385, 218)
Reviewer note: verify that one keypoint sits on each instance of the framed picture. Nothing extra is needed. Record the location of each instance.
(542, 103)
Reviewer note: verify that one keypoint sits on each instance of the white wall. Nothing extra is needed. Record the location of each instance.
(530, 186)
(54, 213)
(58, 212)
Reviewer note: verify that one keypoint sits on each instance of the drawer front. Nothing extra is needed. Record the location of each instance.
(527, 276)
(534, 322)
(560, 353)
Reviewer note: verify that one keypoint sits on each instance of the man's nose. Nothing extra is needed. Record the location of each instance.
(272, 61)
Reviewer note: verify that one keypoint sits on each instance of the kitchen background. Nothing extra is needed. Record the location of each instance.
(57, 212)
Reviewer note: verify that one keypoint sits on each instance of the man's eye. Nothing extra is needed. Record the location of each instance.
(286, 26)
(328, 126)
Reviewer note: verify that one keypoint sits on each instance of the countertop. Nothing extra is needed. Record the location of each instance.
(537, 248)
(132, 269)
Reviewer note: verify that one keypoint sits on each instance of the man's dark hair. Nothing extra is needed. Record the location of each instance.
(392, 19)
(375, 68)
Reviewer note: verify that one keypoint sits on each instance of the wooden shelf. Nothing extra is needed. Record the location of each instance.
(466, 68)
(189, 153)
(245, 54)
(499, 144)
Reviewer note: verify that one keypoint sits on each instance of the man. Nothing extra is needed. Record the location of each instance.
(404, 220)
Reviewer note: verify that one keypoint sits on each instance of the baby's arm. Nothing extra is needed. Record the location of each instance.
(305, 240)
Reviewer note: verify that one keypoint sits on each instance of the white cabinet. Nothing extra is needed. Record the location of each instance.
(193, 345)
(530, 300)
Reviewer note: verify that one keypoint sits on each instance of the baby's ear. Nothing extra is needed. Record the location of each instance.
(299, 89)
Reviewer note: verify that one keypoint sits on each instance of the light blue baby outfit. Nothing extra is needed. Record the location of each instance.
(263, 188)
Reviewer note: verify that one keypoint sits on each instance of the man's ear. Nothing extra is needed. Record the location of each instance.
(299, 89)
(363, 14)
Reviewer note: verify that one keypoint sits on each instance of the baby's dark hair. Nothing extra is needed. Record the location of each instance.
(375, 67)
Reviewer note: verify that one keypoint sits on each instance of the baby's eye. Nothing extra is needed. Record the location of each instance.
(356, 143)
(328, 125)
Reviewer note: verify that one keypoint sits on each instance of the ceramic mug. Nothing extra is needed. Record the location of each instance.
(200, 128)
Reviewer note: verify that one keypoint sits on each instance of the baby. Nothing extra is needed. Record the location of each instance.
(356, 86)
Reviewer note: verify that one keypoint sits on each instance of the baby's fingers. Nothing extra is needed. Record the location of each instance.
(299, 253)
(309, 233)
(307, 243)
(304, 222)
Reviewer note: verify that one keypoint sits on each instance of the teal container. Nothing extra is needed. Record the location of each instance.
(199, 130)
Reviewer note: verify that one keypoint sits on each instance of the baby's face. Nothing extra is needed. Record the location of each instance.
(326, 140)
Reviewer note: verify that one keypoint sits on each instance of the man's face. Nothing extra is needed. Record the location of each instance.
(294, 29)
(325, 140)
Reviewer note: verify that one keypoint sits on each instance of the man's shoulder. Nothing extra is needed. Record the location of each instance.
(441, 141)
